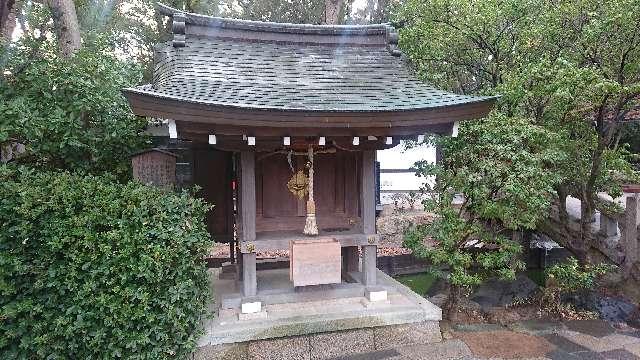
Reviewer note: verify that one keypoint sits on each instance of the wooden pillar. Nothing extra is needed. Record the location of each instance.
(368, 208)
(630, 233)
(368, 192)
(369, 258)
(248, 221)
(248, 195)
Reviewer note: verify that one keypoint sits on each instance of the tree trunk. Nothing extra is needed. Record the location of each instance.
(8, 10)
(562, 204)
(65, 22)
(582, 246)
(450, 308)
(381, 12)
(332, 11)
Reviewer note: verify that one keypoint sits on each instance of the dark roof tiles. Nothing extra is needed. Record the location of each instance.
(290, 77)
(241, 64)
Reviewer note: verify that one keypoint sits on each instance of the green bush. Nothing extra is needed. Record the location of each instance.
(567, 278)
(93, 269)
(570, 276)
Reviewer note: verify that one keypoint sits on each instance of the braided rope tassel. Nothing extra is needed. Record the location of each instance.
(311, 226)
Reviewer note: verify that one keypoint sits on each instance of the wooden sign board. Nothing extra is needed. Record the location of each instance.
(155, 167)
(315, 262)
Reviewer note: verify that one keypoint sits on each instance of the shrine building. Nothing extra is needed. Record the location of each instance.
(293, 115)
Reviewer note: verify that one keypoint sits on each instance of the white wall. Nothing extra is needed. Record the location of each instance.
(399, 158)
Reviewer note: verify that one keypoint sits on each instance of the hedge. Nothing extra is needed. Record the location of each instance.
(93, 269)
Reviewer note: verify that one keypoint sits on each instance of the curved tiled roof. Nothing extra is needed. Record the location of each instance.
(289, 67)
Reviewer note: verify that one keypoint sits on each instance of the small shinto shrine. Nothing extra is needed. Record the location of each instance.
(293, 115)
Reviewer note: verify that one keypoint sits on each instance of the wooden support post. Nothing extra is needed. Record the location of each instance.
(368, 208)
(630, 234)
(248, 220)
(369, 258)
(248, 195)
(368, 192)
(249, 279)
(240, 266)
(350, 259)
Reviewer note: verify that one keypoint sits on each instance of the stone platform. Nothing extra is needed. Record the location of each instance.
(293, 312)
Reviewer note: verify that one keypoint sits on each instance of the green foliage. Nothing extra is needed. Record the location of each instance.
(570, 276)
(496, 163)
(572, 67)
(69, 113)
(288, 11)
(560, 95)
(90, 268)
(464, 45)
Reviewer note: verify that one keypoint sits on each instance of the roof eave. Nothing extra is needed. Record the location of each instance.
(233, 120)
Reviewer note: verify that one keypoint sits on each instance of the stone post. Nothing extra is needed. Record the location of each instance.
(369, 258)
(630, 240)
(249, 280)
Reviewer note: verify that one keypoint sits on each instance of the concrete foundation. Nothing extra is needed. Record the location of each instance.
(292, 312)
(329, 345)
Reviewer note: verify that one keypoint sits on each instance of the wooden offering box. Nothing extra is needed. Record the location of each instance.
(315, 262)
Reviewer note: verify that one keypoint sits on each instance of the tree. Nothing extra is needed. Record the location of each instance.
(8, 10)
(375, 12)
(65, 22)
(300, 12)
(570, 66)
(69, 112)
(332, 11)
(496, 165)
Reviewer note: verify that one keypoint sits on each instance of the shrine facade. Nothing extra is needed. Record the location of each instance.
(293, 115)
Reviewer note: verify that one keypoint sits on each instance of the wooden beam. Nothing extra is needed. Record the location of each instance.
(329, 133)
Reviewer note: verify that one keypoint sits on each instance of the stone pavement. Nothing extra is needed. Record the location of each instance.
(537, 339)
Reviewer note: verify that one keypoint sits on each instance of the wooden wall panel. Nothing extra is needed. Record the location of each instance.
(337, 192)
(326, 183)
(352, 184)
(277, 200)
